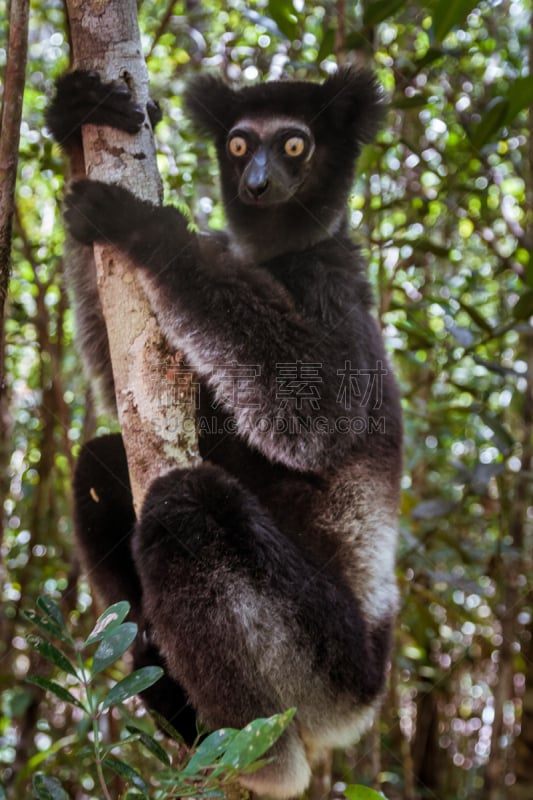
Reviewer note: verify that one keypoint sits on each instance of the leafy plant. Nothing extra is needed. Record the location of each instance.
(217, 760)
(362, 793)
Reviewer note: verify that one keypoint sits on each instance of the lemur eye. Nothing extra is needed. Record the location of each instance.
(238, 146)
(294, 146)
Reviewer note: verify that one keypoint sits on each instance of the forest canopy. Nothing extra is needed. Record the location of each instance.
(442, 208)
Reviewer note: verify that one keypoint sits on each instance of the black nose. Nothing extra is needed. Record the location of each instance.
(256, 175)
(257, 188)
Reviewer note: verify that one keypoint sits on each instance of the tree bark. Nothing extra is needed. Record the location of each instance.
(9, 144)
(158, 435)
(518, 528)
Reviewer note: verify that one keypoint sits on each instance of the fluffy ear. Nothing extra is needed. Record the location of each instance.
(211, 105)
(353, 99)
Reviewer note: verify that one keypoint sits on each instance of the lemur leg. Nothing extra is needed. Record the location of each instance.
(104, 520)
(246, 623)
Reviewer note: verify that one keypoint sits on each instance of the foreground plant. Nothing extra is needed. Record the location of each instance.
(208, 769)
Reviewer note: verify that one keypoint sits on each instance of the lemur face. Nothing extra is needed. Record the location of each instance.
(271, 157)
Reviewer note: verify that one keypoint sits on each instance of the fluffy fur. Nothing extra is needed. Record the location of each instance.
(265, 577)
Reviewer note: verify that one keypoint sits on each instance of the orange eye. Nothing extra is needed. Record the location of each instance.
(238, 146)
(294, 146)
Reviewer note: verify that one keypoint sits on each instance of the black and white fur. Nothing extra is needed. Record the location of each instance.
(265, 577)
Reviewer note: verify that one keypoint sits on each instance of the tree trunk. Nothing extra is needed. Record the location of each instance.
(9, 144)
(523, 499)
(158, 435)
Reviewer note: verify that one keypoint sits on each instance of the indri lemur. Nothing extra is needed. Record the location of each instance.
(265, 577)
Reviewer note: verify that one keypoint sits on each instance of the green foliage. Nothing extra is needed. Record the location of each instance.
(221, 757)
(361, 793)
(448, 14)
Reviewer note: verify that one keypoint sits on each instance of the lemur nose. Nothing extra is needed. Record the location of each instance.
(256, 176)
(257, 188)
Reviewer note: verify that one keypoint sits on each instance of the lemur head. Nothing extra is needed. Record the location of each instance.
(287, 151)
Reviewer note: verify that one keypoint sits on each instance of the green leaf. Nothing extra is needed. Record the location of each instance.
(503, 439)
(327, 44)
(379, 10)
(491, 122)
(254, 740)
(51, 610)
(108, 622)
(46, 788)
(407, 103)
(52, 654)
(59, 691)
(113, 646)
(282, 12)
(210, 749)
(259, 19)
(150, 743)
(520, 96)
(448, 14)
(474, 314)
(166, 727)
(362, 793)
(431, 55)
(15, 702)
(125, 771)
(132, 685)
(45, 625)
(524, 307)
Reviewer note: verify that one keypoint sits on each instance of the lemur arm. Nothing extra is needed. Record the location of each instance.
(82, 98)
(223, 314)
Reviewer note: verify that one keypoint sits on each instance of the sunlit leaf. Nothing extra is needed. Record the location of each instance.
(131, 685)
(108, 621)
(210, 750)
(362, 793)
(254, 740)
(113, 646)
(282, 12)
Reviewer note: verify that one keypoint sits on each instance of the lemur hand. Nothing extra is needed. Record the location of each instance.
(99, 212)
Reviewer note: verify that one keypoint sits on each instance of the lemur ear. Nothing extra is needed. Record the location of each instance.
(211, 105)
(353, 99)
